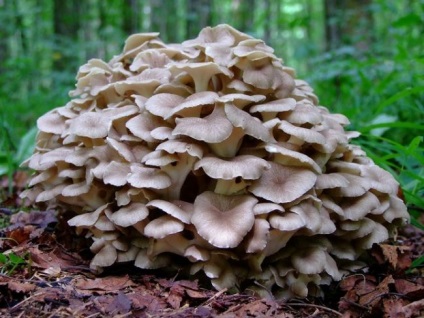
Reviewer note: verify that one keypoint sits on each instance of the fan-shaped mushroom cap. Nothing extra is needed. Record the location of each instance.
(143, 177)
(162, 227)
(251, 126)
(283, 184)
(87, 219)
(52, 122)
(130, 214)
(213, 128)
(105, 257)
(200, 72)
(223, 220)
(244, 166)
(257, 239)
(270, 109)
(287, 157)
(192, 105)
(178, 209)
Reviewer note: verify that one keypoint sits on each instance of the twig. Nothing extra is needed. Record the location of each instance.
(207, 302)
(315, 306)
(24, 301)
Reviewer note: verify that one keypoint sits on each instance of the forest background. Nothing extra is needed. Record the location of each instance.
(364, 58)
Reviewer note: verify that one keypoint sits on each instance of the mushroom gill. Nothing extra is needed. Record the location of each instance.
(212, 151)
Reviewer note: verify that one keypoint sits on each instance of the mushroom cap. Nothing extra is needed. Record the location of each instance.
(223, 220)
(283, 184)
(245, 166)
(143, 177)
(178, 209)
(162, 227)
(213, 128)
(130, 214)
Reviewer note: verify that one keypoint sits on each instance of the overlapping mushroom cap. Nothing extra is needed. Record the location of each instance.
(211, 150)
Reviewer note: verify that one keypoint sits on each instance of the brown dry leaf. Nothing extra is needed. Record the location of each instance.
(120, 304)
(111, 283)
(258, 308)
(55, 258)
(373, 298)
(393, 308)
(415, 309)
(196, 294)
(398, 257)
(40, 219)
(19, 287)
(142, 302)
(175, 296)
(19, 235)
(409, 289)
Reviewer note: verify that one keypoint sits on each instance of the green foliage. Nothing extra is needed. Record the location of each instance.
(418, 262)
(12, 154)
(10, 262)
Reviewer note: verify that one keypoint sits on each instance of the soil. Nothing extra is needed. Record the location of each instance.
(43, 275)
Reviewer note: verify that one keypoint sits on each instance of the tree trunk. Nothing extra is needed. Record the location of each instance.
(198, 16)
(348, 22)
(243, 13)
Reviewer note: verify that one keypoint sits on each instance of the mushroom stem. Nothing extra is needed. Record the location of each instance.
(229, 147)
(229, 187)
(178, 175)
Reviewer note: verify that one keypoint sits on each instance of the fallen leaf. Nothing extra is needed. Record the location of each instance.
(415, 309)
(110, 283)
(409, 289)
(397, 257)
(56, 258)
(175, 296)
(393, 308)
(372, 298)
(120, 304)
(19, 287)
(40, 219)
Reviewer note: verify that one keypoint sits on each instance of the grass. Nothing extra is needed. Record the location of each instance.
(10, 262)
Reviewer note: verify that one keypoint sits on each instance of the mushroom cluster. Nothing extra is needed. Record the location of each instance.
(211, 155)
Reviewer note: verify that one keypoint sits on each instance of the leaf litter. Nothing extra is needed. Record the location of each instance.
(54, 280)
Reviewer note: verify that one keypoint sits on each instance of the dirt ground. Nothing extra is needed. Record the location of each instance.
(42, 275)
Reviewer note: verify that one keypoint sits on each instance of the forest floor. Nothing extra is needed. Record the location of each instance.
(42, 275)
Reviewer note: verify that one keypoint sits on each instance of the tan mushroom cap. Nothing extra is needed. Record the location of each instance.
(287, 221)
(257, 239)
(143, 177)
(105, 257)
(200, 72)
(213, 128)
(240, 100)
(222, 35)
(192, 105)
(304, 134)
(130, 214)
(52, 122)
(270, 109)
(180, 210)
(223, 220)
(87, 219)
(283, 184)
(163, 104)
(245, 166)
(287, 157)
(163, 226)
(142, 126)
(251, 125)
